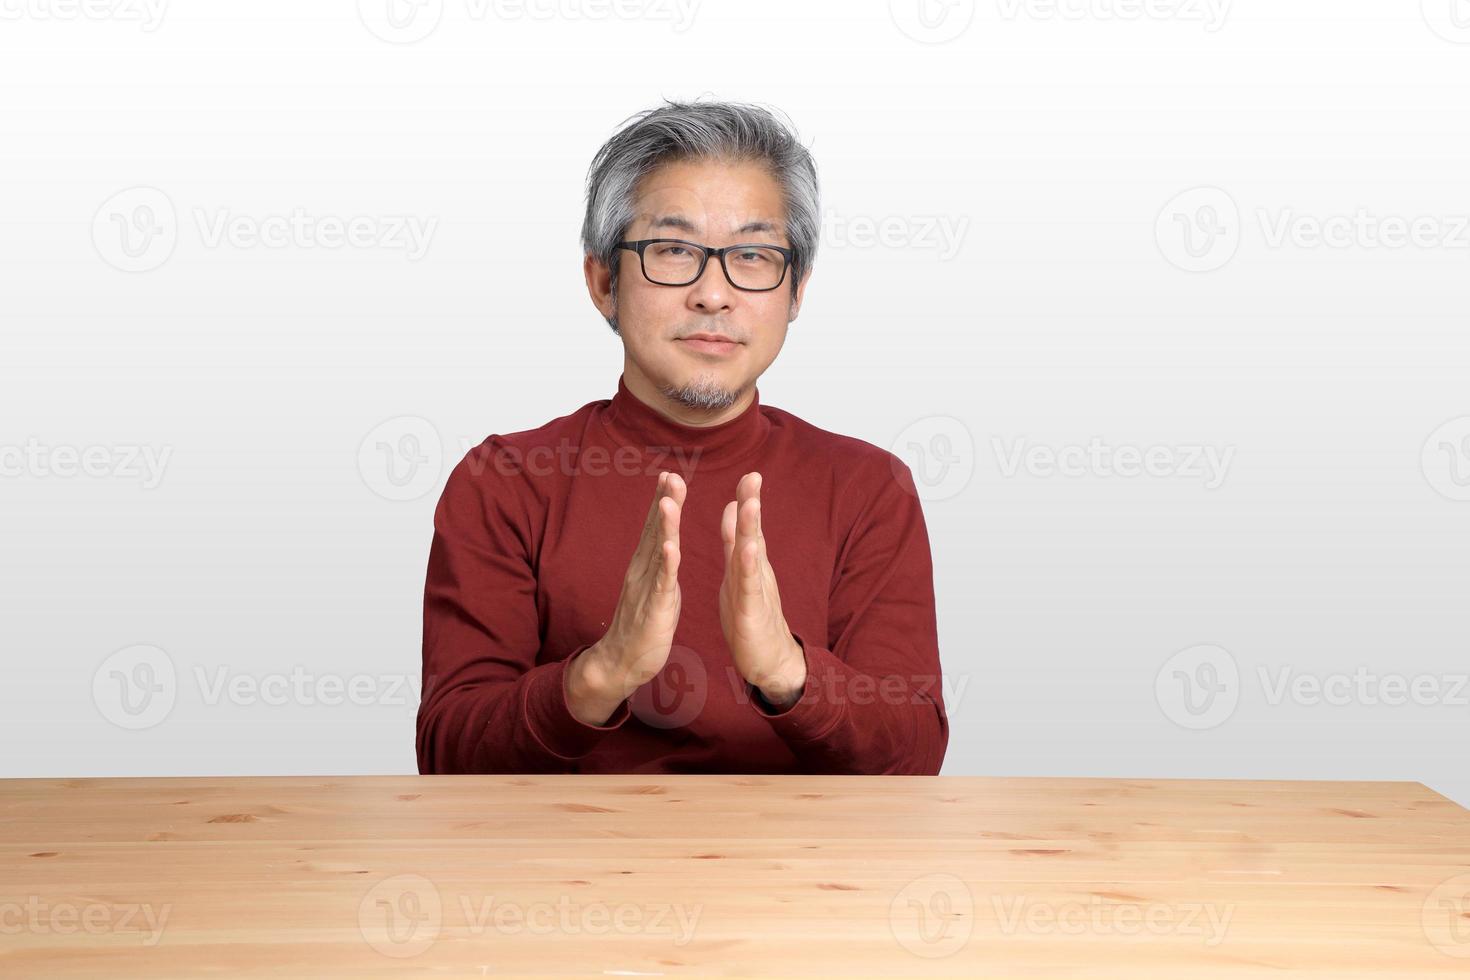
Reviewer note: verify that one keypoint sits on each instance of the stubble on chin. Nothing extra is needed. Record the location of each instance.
(703, 391)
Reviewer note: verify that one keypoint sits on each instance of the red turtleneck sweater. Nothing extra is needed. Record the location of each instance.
(533, 535)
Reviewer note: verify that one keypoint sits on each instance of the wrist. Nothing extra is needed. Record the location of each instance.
(593, 688)
(784, 686)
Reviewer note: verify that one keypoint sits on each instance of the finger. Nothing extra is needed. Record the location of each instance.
(673, 517)
(666, 532)
(668, 575)
(650, 520)
(747, 487)
(750, 580)
(675, 487)
(760, 528)
(646, 552)
(747, 545)
(749, 528)
(727, 530)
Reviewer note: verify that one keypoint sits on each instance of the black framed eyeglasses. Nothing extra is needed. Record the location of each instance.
(752, 266)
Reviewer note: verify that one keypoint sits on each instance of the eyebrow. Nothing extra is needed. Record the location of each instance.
(684, 224)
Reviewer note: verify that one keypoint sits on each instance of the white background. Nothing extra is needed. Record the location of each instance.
(1039, 286)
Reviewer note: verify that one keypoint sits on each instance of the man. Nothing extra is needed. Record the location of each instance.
(777, 614)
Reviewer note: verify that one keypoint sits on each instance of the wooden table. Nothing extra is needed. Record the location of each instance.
(831, 876)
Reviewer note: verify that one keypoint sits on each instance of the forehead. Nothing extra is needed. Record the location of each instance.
(711, 199)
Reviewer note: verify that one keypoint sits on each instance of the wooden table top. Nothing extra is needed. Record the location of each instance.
(627, 876)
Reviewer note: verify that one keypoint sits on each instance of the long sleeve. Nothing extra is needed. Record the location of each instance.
(873, 699)
(488, 705)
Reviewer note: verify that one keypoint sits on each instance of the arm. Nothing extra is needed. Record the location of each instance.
(488, 706)
(872, 700)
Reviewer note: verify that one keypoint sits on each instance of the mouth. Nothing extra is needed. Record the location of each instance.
(706, 343)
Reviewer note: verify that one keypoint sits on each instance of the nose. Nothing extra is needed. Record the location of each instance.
(711, 292)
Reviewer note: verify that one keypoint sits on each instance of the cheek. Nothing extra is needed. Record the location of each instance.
(638, 320)
(774, 316)
(650, 306)
(766, 340)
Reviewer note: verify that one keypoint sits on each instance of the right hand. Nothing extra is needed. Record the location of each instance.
(641, 632)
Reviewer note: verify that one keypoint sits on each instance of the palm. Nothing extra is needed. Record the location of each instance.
(750, 602)
(747, 619)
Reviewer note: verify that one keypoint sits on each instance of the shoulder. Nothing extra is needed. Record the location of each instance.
(507, 454)
(855, 469)
(505, 466)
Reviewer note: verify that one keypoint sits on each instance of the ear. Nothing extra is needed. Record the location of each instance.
(806, 277)
(599, 285)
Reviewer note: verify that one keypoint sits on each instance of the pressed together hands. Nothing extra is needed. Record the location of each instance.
(636, 645)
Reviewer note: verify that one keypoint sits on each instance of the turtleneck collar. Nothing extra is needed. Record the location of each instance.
(632, 423)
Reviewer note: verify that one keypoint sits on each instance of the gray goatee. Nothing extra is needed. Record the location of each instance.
(704, 392)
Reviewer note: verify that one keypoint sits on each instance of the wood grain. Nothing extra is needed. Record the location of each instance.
(602, 876)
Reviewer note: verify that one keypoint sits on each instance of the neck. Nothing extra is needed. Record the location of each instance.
(732, 436)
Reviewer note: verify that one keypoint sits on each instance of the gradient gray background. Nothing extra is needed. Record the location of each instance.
(1064, 152)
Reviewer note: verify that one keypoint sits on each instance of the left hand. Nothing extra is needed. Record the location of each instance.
(765, 652)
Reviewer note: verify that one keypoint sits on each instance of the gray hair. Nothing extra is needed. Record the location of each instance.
(678, 131)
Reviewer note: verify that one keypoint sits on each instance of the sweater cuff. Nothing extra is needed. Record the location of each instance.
(814, 714)
(549, 717)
